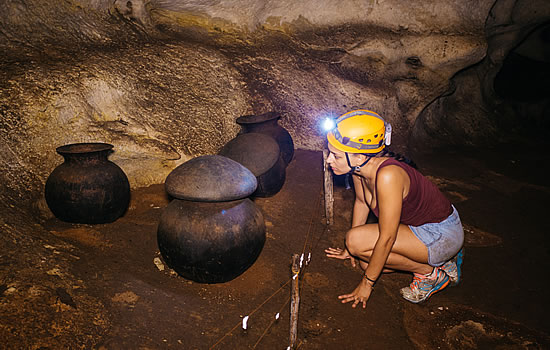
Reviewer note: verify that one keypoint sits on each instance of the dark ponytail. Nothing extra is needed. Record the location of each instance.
(387, 153)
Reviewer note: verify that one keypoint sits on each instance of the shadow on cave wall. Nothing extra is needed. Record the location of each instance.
(523, 84)
(503, 99)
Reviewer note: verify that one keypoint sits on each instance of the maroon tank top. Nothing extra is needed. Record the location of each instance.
(424, 203)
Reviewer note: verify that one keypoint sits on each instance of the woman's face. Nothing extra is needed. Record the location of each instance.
(337, 161)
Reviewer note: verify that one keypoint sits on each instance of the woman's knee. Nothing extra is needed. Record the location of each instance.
(360, 240)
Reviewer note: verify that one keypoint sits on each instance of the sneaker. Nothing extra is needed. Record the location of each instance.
(423, 286)
(453, 267)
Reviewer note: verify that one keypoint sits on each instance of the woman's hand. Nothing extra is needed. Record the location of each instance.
(341, 254)
(361, 294)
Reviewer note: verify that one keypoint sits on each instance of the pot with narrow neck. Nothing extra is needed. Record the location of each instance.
(87, 188)
(268, 123)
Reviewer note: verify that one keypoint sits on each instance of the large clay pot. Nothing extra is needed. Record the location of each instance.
(210, 232)
(211, 178)
(87, 188)
(260, 154)
(211, 242)
(268, 123)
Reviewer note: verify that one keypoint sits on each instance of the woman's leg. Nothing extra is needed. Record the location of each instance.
(408, 252)
(364, 265)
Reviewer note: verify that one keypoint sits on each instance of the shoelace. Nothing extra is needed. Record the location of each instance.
(451, 268)
(423, 282)
(417, 279)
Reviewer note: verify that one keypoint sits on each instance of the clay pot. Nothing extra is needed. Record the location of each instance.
(260, 154)
(211, 178)
(268, 124)
(211, 242)
(210, 232)
(87, 188)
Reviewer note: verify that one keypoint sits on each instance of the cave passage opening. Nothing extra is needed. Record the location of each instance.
(523, 83)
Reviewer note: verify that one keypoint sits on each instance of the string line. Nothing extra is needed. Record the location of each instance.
(251, 313)
(316, 208)
(270, 324)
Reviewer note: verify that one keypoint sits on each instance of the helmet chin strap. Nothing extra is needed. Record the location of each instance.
(353, 169)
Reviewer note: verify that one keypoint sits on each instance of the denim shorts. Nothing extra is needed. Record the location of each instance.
(443, 239)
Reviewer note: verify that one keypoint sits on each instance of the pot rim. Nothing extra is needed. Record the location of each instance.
(253, 118)
(84, 147)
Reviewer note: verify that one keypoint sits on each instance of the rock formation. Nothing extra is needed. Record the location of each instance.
(164, 80)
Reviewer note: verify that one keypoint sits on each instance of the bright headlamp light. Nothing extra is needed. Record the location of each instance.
(329, 124)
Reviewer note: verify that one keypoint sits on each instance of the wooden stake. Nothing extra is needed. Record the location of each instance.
(295, 300)
(329, 194)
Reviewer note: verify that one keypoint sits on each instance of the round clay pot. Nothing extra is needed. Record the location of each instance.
(268, 124)
(260, 154)
(211, 242)
(210, 178)
(210, 232)
(87, 188)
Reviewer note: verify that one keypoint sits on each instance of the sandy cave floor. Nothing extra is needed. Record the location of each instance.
(501, 302)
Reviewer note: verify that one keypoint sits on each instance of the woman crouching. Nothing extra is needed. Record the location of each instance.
(418, 229)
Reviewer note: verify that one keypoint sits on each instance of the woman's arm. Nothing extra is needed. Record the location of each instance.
(360, 208)
(360, 213)
(390, 187)
(389, 192)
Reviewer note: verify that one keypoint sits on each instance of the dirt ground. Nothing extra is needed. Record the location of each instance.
(501, 302)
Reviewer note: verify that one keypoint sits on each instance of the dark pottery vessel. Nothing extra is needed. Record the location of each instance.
(87, 188)
(268, 123)
(211, 242)
(211, 233)
(261, 154)
(210, 178)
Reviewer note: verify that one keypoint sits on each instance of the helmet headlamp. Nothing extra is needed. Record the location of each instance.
(329, 124)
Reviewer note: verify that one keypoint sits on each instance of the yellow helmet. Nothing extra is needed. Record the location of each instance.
(360, 131)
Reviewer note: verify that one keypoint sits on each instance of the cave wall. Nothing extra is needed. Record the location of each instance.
(164, 80)
(473, 113)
